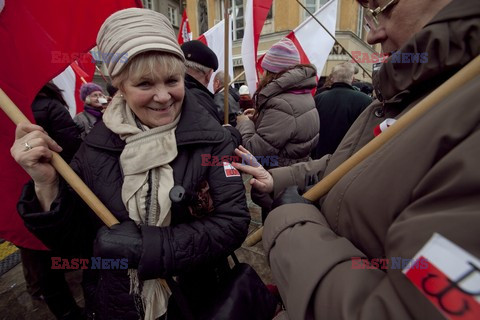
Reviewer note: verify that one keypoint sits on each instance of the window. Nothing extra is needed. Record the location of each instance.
(312, 6)
(236, 9)
(173, 16)
(202, 16)
(148, 4)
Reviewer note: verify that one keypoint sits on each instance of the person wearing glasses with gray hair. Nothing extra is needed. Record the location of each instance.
(338, 259)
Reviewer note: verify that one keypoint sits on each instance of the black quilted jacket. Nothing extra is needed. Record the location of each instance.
(191, 248)
(53, 116)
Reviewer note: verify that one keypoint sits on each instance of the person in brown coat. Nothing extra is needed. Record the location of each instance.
(423, 184)
(285, 125)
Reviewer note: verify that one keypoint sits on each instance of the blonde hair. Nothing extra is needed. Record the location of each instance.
(149, 64)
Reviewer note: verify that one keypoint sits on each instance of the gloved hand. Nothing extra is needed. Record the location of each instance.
(123, 240)
(289, 195)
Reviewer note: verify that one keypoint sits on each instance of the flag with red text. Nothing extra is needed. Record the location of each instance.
(184, 34)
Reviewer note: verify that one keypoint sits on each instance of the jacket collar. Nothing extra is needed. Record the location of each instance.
(342, 85)
(192, 83)
(195, 126)
(443, 42)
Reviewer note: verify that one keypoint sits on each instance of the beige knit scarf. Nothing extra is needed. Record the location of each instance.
(148, 178)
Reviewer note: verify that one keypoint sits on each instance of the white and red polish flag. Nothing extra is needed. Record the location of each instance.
(32, 35)
(311, 40)
(214, 38)
(256, 12)
(449, 277)
(184, 34)
(70, 81)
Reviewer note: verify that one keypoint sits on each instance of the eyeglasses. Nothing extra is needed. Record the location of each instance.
(372, 14)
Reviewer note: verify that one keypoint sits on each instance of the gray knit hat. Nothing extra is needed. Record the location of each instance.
(129, 32)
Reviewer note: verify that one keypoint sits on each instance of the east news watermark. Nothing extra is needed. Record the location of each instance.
(398, 263)
(95, 56)
(92, 263)
(396, 57)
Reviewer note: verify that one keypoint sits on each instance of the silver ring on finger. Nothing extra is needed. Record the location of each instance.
(27, 146)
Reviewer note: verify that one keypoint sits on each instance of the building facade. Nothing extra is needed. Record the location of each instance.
(285, 16)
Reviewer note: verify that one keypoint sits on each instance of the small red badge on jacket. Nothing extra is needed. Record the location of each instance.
(383, 126)
(230, 171)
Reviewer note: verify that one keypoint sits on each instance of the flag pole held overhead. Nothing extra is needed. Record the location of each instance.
(12, 111)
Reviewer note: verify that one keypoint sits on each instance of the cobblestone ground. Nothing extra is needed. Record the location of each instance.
(17, 304)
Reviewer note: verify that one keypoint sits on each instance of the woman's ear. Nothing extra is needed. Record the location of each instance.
(88, 100)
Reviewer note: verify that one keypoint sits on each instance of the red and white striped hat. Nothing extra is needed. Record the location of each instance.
(281, 56)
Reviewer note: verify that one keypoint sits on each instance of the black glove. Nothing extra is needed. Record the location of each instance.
(310, 181)
(289, 195)
(123, 240)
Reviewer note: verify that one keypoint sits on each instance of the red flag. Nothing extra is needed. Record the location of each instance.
(256, 12)
(70, 80)
(39, 39)
(184, 34)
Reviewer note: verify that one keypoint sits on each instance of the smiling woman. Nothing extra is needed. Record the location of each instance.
(153, 87)
(152, 138)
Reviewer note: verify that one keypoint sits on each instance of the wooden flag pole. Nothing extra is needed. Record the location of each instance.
(12, 111)
(463, 76)
(101, 73)
(225, 68)
(233, 81)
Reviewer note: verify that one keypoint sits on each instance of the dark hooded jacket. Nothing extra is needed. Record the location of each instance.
(192, 248)
(53, 116)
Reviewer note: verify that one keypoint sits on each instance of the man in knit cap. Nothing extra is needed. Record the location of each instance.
(245, 101)
(92, 94)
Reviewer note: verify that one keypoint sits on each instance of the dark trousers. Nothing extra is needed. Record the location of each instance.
(50, 283)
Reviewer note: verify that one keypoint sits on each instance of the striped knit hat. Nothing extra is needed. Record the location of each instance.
(132, 31)
(281, 56)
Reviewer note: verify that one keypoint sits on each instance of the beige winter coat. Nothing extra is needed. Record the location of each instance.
(288, 125)
(425, 180)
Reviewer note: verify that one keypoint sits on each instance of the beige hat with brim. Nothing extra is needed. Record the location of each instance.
(129, 32)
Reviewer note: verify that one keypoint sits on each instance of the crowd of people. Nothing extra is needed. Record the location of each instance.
(149, 136)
